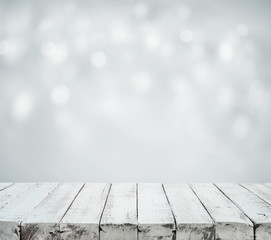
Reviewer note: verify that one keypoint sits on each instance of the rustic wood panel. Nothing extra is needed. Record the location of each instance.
(145, 211)
(119, 220)
(4, 185)
(155, 218)
(43, 221)
(12, 213)
(193, 221)
(230, 221)
(12, 192)
(82, 220)
(254, 207)
(261, 190)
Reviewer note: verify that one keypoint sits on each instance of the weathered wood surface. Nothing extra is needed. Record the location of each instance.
(130, 211)
(193, 221)
(261, 190)
(43, 221)
(12, 213)
(230, 221)
(4, 185)
(12, 192)
(254, 207)
(83, 217)
(119, 220)
(155, 218)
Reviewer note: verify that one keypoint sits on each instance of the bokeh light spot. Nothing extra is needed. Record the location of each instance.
(241, 127)
(4, 47)
(186, 35)
(56, 53)
(99, 59)
(166, 50)
(140, 9)
(226, 51)
(184, 12)
(141, 81)
(225, 97)
(152, 41)
(242, 29)
(60, 94)
(22, 106)
(120, 33)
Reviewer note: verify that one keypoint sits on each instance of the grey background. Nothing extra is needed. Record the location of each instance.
(135, 91)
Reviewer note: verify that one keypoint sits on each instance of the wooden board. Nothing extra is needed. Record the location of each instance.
(4, 185)
(43, 221)
(230, 222)
(155, 218)
(254, 207)
(129, 211)
(193, 221)
(119, 220)
(12, 192)
(261, 190)
(12, 213)
(82, 220)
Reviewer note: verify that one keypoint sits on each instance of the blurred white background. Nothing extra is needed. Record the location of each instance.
(135, 91)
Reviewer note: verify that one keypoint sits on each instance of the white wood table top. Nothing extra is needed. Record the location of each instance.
(147, 211)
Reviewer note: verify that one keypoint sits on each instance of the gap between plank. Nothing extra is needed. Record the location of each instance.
(175, 222)
(7, 187)
(254, 224)
(205, 209)
(100, 229)
(71, 204)
(20, 225)
(137, 210)
(254, 193)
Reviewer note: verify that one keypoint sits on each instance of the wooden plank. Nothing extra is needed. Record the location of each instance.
(12, 213)
(261, 190)
(83, 217)
(255, 208)
(43, 221)
(193, 221)
(119, 220)
(230, 221)
(4, 185)
(155, 218)
(12, 192)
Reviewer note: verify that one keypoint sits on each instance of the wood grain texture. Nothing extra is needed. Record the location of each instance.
(43, 221)
(12, 192)
(119, 220)
(12, 213)
(155, 218)
(151, 211)
(4, 185)
(230, 222)
(261, 190)
(83, 217)
(193, 221)
(254, 207)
